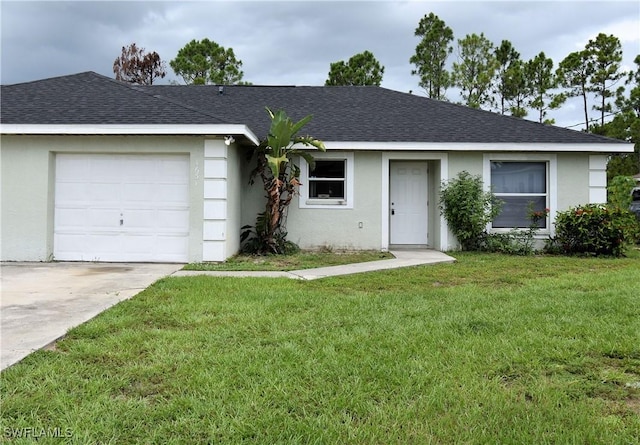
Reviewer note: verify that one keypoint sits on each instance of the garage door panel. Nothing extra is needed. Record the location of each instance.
(71, 192)
(136, 192)
(172, 246)
(173, 219)
(157, 221)
(100, 219)
(70, 218)
(73, 169)
(105, 168)
(173, 170)
(89, 207)
(103, 192)
(173, 193)
(141, 219)
(71, 245)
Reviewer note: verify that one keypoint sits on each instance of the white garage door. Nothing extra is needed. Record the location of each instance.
(121, 208)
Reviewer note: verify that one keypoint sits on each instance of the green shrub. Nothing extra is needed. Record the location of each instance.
(468, 209)
(619, 192)
(594, 229)
(513, 242)
(517, 241)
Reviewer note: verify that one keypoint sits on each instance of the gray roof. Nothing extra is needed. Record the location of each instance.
(348, 113)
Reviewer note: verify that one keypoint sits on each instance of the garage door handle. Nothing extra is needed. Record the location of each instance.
(393, 212)
(121, 220)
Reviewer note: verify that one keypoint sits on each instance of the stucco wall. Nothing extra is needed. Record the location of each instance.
(28, 178)
(573, 180)
(26, 192)
(469, 161)
(354, 228)
(337, 228)
(235, 187)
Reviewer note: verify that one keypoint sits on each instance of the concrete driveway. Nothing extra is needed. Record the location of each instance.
(42, 301)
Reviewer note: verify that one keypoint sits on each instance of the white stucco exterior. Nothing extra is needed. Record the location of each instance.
(221, 200)
(28, 181)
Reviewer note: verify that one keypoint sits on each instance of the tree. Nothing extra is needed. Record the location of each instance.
(517, 89)
(510, 78)
(136, 66)
(280, 178)
(625, 126)
(475, 70)
(431, 55)
(605, 56)
(573, 72)
(542, 81)
(361, 69)
(203, 61)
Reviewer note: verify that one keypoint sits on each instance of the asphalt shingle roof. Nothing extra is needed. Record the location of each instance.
(349, 113)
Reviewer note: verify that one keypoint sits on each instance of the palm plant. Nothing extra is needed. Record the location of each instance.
(280, 178)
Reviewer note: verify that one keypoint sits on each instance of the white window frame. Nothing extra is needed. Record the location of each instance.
(552, 183)
(305, 202)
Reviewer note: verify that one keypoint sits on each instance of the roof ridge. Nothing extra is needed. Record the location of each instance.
(54, 78)
(141, 89)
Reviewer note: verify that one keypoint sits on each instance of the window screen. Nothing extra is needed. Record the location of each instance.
(522, 186)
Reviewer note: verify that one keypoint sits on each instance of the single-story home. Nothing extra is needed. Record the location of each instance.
(94, 169)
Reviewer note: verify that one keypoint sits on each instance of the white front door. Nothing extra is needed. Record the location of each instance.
(121, 208)
(408, 199)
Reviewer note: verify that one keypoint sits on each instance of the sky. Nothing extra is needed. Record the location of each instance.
(294, 42)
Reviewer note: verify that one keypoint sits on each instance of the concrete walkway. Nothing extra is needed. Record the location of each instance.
(403, 258)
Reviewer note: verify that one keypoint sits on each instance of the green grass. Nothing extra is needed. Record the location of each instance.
(491, 349)
(296, 261)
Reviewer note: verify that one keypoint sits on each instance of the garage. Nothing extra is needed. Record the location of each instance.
(121, 207)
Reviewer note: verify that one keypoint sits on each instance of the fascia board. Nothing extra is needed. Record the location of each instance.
(190, 130)
(621, 147)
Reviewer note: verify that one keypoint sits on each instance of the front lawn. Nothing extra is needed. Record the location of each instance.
(296, 261)
(490, 349)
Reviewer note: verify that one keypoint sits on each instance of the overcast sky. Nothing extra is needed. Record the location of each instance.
(293, 43)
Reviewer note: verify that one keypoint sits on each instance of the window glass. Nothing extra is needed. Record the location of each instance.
(519, 177)
(328, 169)
(522, 187)
(327, 180)
(515, 211)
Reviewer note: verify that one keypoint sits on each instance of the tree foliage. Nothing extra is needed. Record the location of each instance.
(475, 69)
(517, 90)
(431, 55)
(360, 69)
(280, 179)
(605, 57)
(137, 66)
(510, 80)
(542, 82)
(203, 61)
(468, 208)
(625, 126)
(573, 73)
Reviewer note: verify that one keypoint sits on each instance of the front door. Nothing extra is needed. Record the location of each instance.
(408, 199)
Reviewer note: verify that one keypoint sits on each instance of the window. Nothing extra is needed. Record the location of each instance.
(327, 179)
(521, 186)
(329, 183)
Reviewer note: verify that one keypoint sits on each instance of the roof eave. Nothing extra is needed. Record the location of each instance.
(595, 147)
(132, 129)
